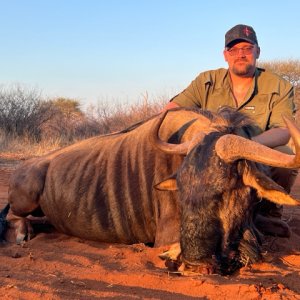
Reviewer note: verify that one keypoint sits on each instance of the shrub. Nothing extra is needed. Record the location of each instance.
(22, 112)
(112, 117)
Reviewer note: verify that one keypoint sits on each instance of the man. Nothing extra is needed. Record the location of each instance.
(259, 94)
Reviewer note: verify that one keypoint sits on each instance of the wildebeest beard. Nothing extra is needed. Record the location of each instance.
(216, 213)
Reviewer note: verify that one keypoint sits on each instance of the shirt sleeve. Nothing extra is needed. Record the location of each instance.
(283, 104)
(193, 95)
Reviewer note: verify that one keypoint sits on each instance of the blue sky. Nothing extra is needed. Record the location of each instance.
(117, 50)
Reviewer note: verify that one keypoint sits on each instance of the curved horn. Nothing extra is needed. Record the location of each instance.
(182, 148)
(164, 146)
(241, 148)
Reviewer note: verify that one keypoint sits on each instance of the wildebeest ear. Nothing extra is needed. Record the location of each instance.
(169, 184)
(266, 187)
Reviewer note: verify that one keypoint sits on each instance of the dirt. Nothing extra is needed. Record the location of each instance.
(56, 266)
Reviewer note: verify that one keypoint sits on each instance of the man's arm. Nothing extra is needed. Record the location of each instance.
(273, 137)
(193, 95)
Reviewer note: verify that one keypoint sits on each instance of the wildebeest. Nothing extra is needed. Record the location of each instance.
(120, 188)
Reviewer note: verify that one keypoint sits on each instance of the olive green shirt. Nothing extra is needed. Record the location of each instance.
(268, 98)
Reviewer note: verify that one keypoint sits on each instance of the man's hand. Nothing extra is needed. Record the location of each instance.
(170, 105)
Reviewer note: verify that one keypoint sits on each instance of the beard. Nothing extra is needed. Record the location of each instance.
(243, 68)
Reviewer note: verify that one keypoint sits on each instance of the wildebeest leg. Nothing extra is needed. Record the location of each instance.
(25, 188)
(168, 221)
(21, 206)
(19, 229)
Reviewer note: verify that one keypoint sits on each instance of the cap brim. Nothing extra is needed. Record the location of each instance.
(235, 41)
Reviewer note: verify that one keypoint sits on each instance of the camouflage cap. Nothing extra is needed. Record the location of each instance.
(240, 32)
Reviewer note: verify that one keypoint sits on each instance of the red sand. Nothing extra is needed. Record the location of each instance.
(57, 266)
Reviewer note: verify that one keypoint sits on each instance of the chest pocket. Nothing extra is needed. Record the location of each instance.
(258, 113)
(219, 98)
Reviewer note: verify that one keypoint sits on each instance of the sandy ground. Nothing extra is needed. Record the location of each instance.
(56, 266)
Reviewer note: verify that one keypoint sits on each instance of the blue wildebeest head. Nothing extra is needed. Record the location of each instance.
(220, 183)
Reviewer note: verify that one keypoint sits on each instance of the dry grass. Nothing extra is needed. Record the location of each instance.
(24, 147)
(63, 130)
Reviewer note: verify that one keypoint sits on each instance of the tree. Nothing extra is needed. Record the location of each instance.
(67, 106)
(69, 122)
(23, 111)
(288, 69)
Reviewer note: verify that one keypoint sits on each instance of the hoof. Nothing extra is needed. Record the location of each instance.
(20, 238)
(172, 257)
(22, 229)
(173, 265)
(172, 254)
